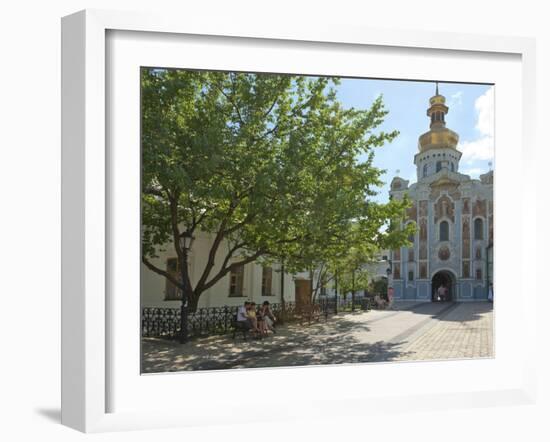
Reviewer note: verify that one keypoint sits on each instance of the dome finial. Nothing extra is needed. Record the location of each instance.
(437, 88)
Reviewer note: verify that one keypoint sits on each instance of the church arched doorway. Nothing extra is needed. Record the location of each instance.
(445, 280)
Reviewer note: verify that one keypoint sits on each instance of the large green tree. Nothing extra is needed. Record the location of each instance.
(271, 166)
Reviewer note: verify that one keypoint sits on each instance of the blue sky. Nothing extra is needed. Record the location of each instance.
(471, 115)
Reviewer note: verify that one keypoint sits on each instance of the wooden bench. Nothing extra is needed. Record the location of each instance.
(380, 303)
(309, 313)
(239, 326)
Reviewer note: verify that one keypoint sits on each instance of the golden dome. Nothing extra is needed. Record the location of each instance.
(438, 136)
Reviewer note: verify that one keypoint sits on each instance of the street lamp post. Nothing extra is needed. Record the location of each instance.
(186, 240)
(353, 290)
(336, 293)
(390, 282)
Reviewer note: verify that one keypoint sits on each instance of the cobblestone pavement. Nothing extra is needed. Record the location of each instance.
(464, 332)
(406, 332)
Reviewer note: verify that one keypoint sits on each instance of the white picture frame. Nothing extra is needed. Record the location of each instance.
(86, 314)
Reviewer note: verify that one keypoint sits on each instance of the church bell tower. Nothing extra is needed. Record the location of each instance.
(437, 148)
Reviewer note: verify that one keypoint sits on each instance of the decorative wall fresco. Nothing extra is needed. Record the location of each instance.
(423, 270)
(423, 229)
(412, 212)
(423, 251)
(465, 269)
(444, 208)
(444, 253)
(478, 252)
(480, 208)
(423, 208)
(466, 206)
(465, 237)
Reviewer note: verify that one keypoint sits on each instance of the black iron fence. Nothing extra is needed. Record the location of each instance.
(166, 321)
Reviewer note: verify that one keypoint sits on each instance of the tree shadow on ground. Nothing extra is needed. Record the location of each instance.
(471, 311)
(333, 342)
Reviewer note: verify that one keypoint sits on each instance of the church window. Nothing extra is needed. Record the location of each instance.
(478, 228)
(479, 274)
(452, 167)
(444, 231)
(411, 275)
(438, 166)
(425, 171)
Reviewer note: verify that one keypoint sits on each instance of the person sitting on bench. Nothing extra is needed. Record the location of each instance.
(251, 313)
(242, 316)
(268, 318)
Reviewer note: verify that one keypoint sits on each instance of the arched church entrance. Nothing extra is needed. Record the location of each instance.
(443, 286)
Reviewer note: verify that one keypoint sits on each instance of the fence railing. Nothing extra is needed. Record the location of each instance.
(166, 321)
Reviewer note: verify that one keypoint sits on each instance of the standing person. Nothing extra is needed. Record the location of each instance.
(491, 294)
(441, 292)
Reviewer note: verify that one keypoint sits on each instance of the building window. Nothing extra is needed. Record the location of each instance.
(267, 277)
(411, 275)
(444, 231)
(478, 228)
(479, 274)
(396, 272)
(236, 279)
(438, 166)
(452, 167)
(172, 293)
(425, 171)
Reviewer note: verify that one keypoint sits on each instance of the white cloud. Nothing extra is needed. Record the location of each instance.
(474, 172)
(456, 99)
(481, 148)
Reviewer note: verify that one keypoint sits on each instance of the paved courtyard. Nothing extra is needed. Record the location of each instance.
(407, 332)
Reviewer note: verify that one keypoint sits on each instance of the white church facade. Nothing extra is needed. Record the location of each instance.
(452, 246)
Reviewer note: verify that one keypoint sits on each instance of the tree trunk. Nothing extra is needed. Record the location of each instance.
(193, 302)
(283, 305)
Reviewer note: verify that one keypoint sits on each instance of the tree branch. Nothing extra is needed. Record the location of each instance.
(226, 270)
(161, 272)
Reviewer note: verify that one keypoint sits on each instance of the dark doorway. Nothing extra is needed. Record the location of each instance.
(443, 286)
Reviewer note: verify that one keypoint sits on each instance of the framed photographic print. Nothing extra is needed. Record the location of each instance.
(270, 211)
